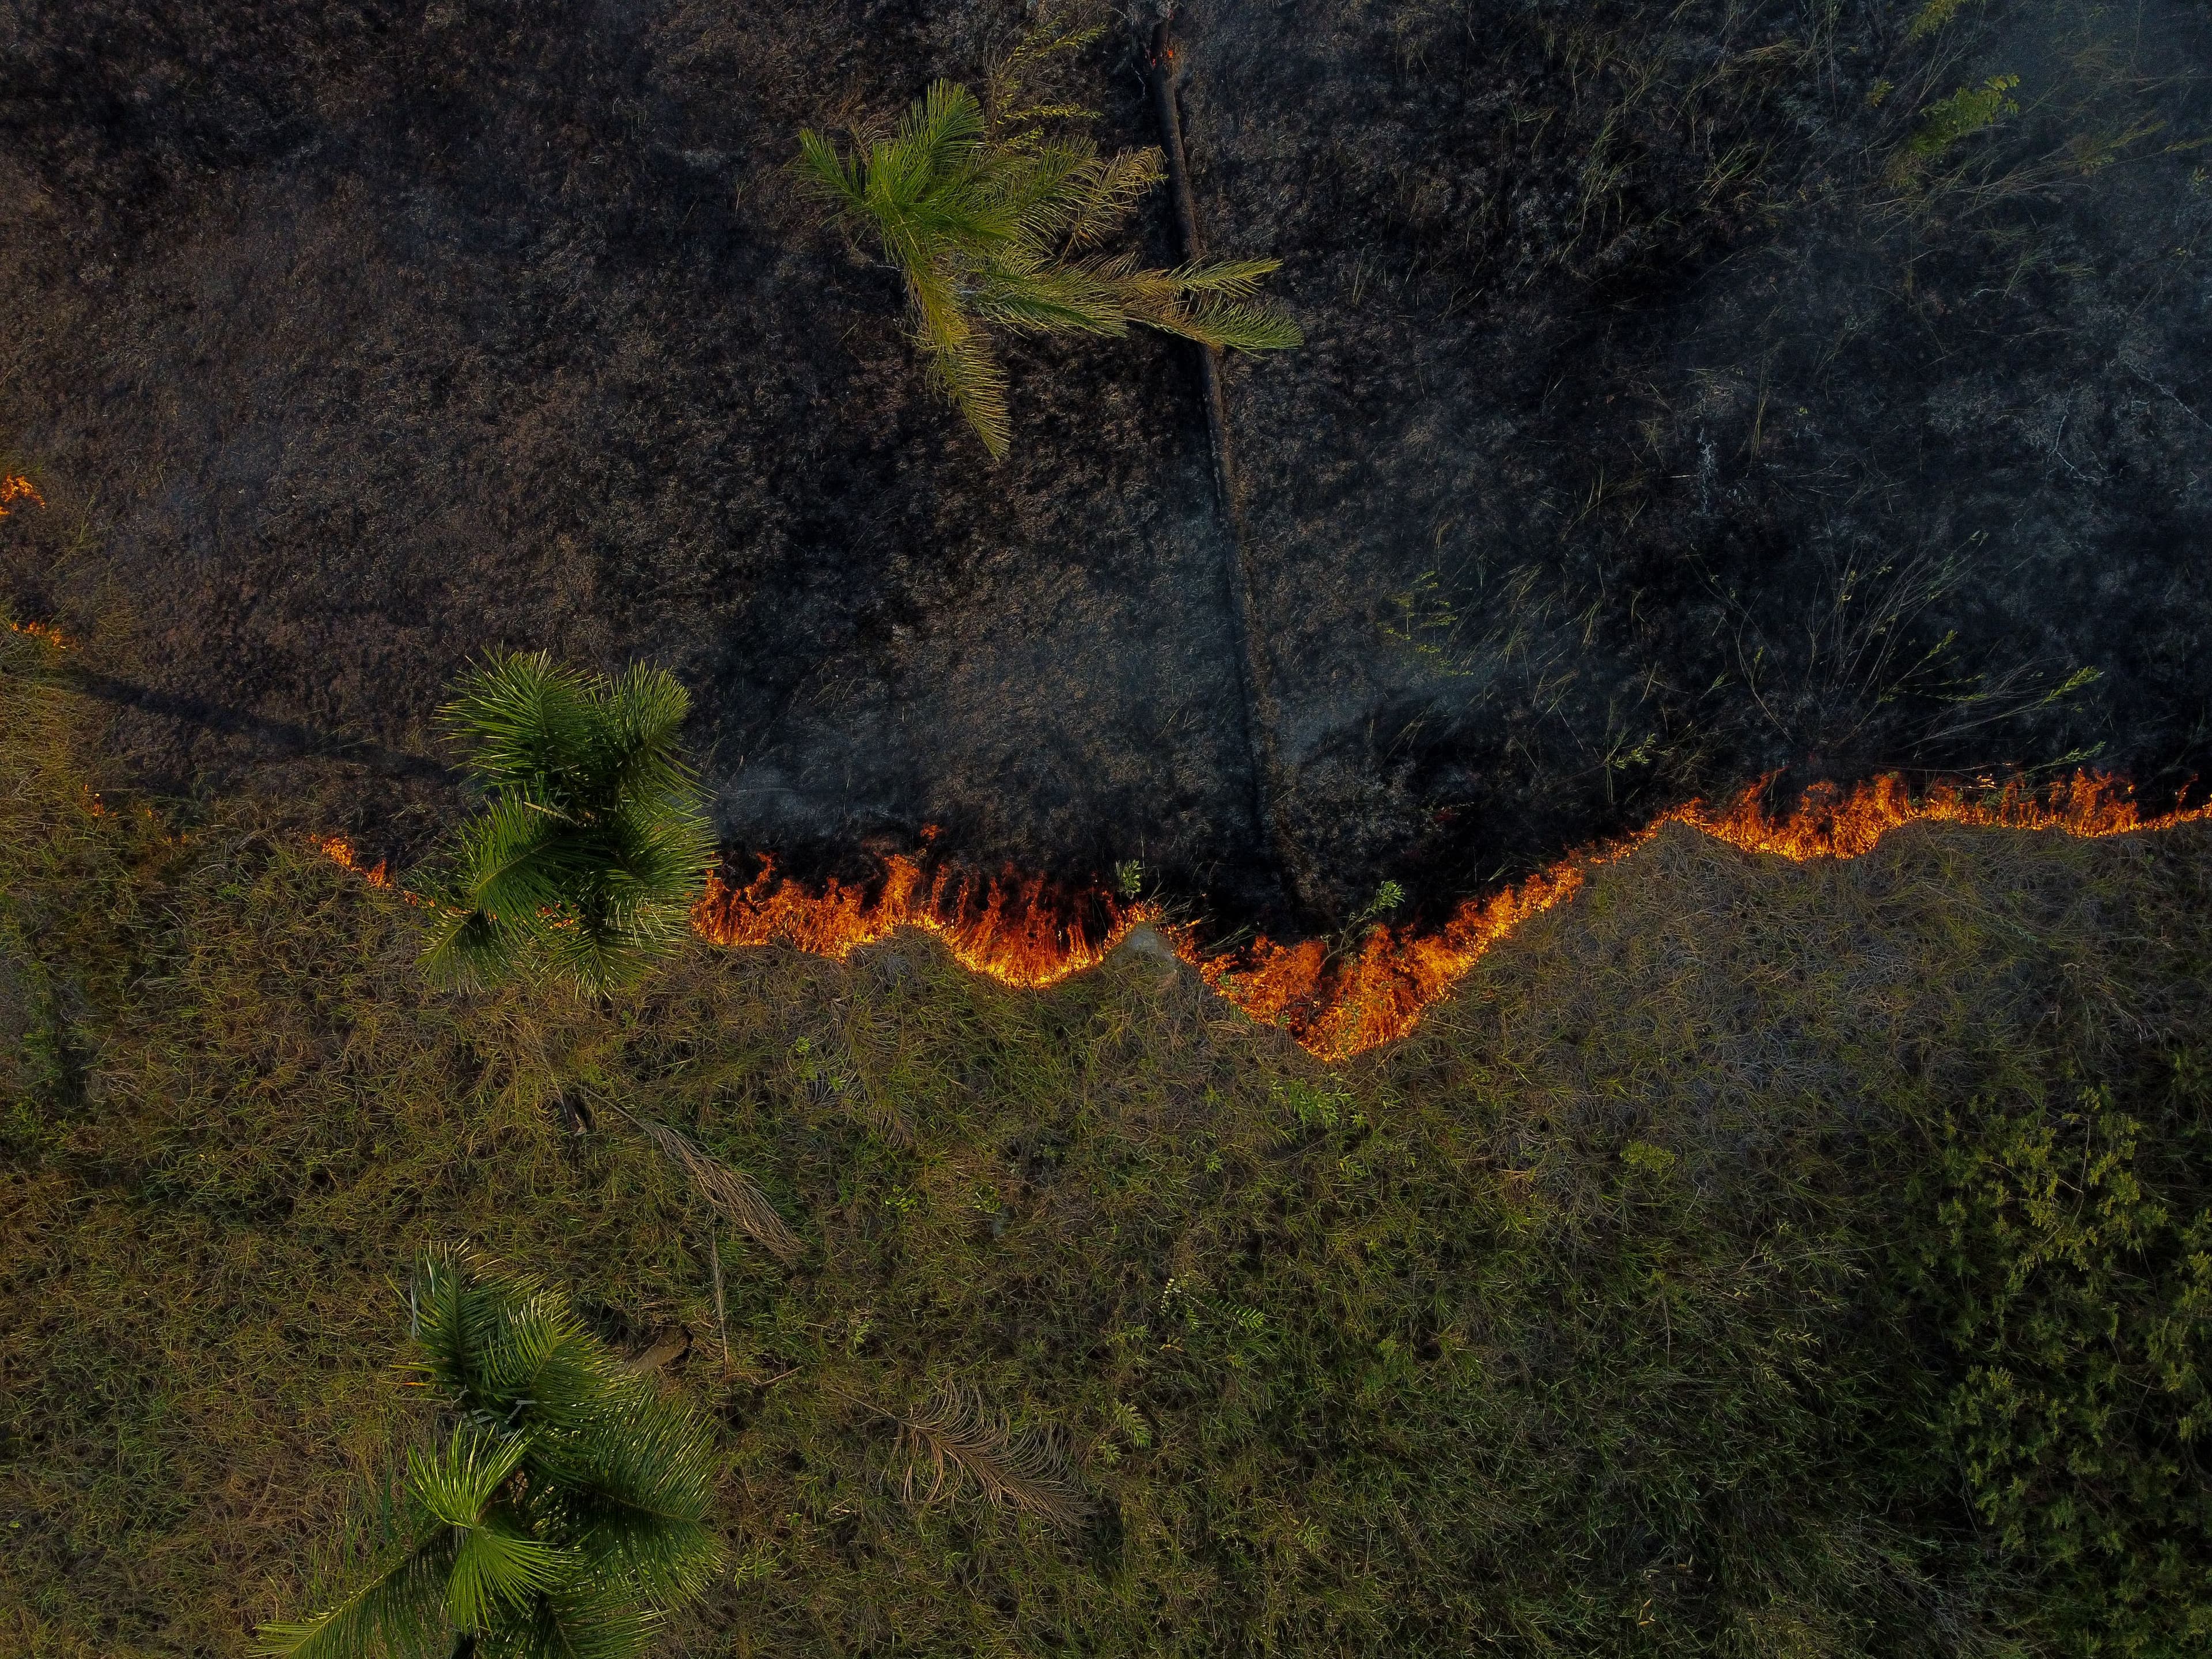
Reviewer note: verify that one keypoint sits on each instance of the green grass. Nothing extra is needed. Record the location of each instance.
(1631, 1306)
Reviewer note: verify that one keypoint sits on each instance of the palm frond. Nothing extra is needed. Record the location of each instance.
(953, 1434)
(456, 1486)
(1064, 299)
(823, 167)
(1223, 279)
(1111, 194)
(636, 735)
(456, 1323)
(499, 1571)
(1042, 187)
(497, 1568)
(398, 1604)
(468, 949)
(933, 148)
(961, 362)
(509, 1352)
(520, 715)
(515, 857)
(731, 1194)
(588, 1619)
(632, 1489)
(1231, 327)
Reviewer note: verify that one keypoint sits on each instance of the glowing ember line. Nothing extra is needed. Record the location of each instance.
(340, 851)
(1006, 931)
(1340, 1003)
(1339, 1010)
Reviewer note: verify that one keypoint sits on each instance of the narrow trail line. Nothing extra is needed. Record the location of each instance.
(1261, 714)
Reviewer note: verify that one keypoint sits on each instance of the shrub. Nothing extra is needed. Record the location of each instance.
(569, 1505)
(993, 224)
(2084, 1302)
(586, 859)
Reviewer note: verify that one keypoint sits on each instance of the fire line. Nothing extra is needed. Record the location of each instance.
(1340, 1002)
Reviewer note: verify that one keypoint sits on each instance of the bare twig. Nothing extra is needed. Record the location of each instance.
(721, 1309)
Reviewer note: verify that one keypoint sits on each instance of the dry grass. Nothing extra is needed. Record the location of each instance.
(1565, 1326)
(733, 1195)
(955, 1435)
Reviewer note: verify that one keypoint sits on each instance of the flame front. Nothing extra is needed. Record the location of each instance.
(1011, 930)
(38, 631)
(1342, 1000)
(339, 851)
(1337, 1009)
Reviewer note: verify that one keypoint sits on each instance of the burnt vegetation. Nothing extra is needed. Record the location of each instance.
(1690, 394)
(1750, 1258)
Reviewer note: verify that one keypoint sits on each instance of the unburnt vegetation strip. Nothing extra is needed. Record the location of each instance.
(1754, 1257)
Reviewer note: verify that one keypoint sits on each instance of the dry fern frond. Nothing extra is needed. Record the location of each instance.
(734, 1197)
(1024, 1470)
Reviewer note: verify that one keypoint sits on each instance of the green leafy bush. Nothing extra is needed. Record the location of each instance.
(592, 847)
(2084, 1302)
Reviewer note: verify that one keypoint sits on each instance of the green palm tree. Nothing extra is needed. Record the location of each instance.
(993, 225)
(592, 847)
(565, 1513)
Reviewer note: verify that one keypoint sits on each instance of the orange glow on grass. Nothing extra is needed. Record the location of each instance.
(1342, 1001)
(340, 851)
(13, 488)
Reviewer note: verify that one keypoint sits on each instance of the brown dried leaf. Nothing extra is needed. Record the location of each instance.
(1025, 1470)
(733, 1195)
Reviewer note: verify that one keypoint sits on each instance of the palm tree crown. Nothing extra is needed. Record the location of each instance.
(592, 847)
(993, 224)
(565, 1512)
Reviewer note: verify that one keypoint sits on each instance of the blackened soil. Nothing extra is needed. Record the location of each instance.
(1652, 435)
(355, 339)
(1655, 434)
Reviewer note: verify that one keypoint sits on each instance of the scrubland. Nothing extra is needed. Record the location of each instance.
(1753, 1258)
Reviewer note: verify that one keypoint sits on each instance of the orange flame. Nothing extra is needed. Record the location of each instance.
(340, 851)
(1342, 1002)
(1342, 1009)
(1009, 931)
(13, 488)
(38, 630)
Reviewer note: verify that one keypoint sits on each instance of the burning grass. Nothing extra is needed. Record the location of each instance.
(13, 488)
(1611, 1310)
(1339, 1002)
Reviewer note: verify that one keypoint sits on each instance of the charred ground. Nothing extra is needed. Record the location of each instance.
(1655, 431)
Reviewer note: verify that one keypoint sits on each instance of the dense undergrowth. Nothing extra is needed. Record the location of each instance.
(1752, 1259)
